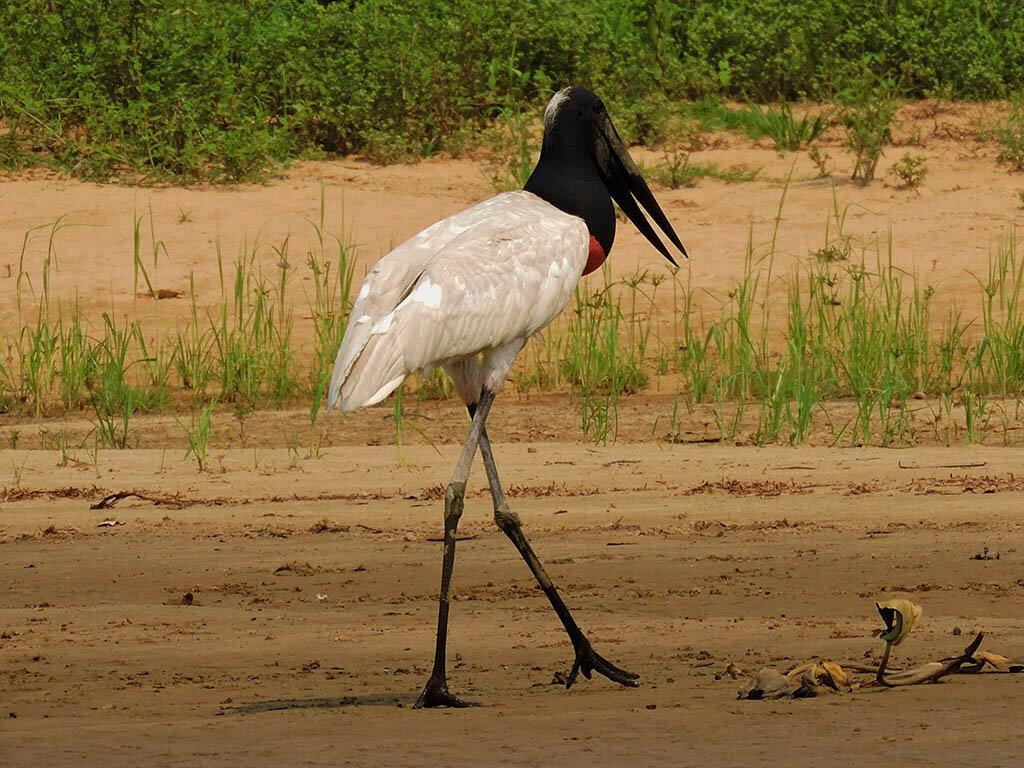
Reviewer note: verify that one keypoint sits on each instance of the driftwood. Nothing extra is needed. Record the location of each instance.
(932, 671)
(824, 677)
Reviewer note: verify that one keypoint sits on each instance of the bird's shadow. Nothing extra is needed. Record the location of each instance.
(326, 702)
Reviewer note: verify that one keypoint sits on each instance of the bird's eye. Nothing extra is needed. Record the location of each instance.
(598, 107)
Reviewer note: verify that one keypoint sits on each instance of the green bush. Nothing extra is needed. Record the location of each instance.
(910, 170)
(868, 105)
(1010, 134)
(785, 49)
(230, 89)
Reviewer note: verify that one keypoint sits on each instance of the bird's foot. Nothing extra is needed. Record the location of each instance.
(588, 660)
(435, 694)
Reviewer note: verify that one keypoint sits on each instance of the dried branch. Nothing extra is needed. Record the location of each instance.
(110, 500)
(932, 671)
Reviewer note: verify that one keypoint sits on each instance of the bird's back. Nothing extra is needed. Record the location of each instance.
(476, 281)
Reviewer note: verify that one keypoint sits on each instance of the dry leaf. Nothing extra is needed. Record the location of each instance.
(837, 673)
(900, 617)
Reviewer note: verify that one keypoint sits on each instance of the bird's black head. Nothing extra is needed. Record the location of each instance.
(583, 156)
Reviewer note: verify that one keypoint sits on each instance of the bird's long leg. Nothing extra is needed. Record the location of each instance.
(435, 693)
(587, 660)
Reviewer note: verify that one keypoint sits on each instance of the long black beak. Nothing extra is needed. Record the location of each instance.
(627, 186)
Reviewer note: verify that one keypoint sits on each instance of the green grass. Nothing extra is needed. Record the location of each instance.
(676, 170)
(198, 432)
(600, 359)
(1010, 134)
(237, 352)
(784, 129)
(841, 346)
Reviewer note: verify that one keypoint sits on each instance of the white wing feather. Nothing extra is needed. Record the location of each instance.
(485, 278)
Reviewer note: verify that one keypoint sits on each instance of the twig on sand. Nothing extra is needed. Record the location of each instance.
(111, 499)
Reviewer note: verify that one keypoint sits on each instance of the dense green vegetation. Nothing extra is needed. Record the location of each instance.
(227, 90)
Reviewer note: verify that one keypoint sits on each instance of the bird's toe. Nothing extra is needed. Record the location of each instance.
(436, 694)
(589, 661)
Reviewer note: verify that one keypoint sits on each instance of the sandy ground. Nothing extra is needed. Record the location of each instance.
(310, 627)
(279, 609)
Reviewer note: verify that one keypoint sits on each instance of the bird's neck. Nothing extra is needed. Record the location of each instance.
(572, 184)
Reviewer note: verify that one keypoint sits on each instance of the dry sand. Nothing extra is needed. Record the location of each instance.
(313, 578)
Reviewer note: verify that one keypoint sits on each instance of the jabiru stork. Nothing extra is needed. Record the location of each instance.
(466, 294)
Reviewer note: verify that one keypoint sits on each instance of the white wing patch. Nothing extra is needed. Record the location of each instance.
(481, 281)
(383, 324)
(427, 293)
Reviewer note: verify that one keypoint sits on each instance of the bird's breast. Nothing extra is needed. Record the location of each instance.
(596, 256)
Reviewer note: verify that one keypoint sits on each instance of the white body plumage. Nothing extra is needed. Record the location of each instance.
(466, 293)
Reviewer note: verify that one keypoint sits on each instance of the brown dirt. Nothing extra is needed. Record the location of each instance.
(313, 575)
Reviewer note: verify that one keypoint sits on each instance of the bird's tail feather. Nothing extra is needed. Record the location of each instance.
(374, 373)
